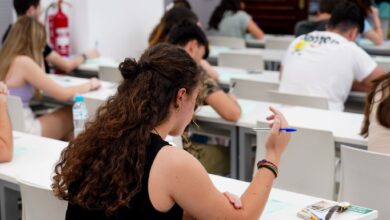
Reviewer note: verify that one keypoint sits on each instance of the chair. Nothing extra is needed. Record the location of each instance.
(92, 106)
(110, 74)
(252, 90)
(297, 99)
(40, 204)
(15, 110)
(365, 179)
(277, 44)
(307, 165)
(231, 42)
(247, 61)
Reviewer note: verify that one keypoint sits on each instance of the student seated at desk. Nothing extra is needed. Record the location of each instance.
(32, 8)
(121, 168)
(170, 19)
(192, 39)
(230, 20)
(6, 148)
(321, 20)
(373, 33)
(377, 116)
(21, 69)
(326, 63)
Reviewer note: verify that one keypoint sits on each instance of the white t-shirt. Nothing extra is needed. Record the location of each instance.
(324, 64)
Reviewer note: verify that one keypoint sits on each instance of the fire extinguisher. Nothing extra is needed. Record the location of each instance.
(59, 29)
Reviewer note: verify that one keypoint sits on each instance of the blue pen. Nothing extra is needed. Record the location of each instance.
(282, 129)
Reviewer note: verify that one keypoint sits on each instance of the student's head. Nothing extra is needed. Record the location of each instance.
(27, 37)
(380, 85)
(326, 6)
(107, 160)
(170, 19)
(191, 38)
(219, 11)
(347, 20)
(182, 3)
(364, 6)
(31, 8)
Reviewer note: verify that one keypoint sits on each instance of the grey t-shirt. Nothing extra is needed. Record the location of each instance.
(233, 24)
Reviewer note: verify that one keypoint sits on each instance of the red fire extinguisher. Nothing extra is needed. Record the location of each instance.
(59, 29)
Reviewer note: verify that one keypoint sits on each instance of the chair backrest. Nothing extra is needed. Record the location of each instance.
(297, 99)
(307, 165)
(278, 44)
(231, 42)
(110, 74)
(92, 106)
(40, 204)
(252, 90)
(250, 62)
(365, 179)
(15, 110)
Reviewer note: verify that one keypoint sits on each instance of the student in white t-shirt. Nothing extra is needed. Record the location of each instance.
(326, 63)
(377, 116)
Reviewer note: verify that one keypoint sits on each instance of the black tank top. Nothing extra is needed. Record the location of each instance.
(140, 207)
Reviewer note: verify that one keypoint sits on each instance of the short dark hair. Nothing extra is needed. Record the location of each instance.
(185, 31)
(21, 6)
(327, 6)
(346, 15)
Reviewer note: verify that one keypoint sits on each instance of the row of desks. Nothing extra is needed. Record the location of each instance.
(344, 126)
(35, 157)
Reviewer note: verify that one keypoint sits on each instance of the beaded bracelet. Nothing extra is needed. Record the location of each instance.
(268, 165)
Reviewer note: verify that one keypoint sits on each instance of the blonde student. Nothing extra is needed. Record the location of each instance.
(21, 68)
(230, 20)
(120, 167)
(32, 8)
(6, 143)
(377, 116)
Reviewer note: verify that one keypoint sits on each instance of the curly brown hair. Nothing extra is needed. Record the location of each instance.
(382, 85)
(103, 167)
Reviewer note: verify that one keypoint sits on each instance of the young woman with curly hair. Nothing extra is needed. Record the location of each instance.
(120, 167)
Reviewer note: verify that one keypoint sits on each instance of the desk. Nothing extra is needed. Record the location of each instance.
(383, 62)
(34, 160)
(287, 203)
(255, 43)
(344, 126)
(272, 58)
(227, 73)
(370, 48)
(43, 153)
(91, 66)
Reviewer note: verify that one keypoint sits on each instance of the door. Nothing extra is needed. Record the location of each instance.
(277, 16)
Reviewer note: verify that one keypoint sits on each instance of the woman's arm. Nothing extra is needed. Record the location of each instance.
(188, 184)
(375, 34)
(254, 30)
(34, 75)
(225, 105)
(6, 142)
(69, 65)
(209, 70)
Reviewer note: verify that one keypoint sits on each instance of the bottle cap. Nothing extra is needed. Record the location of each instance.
(79, 98)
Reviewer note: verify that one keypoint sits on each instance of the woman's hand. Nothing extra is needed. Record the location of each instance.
(277, 140)
(94, 84)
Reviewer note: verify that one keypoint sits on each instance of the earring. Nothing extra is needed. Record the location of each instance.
(178, 109)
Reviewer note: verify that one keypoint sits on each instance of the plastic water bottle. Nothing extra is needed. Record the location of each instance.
(80, 115)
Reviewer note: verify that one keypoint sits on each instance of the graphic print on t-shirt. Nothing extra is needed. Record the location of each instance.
(312, 41)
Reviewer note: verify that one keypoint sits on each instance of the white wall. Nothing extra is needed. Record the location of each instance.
(119, 27)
